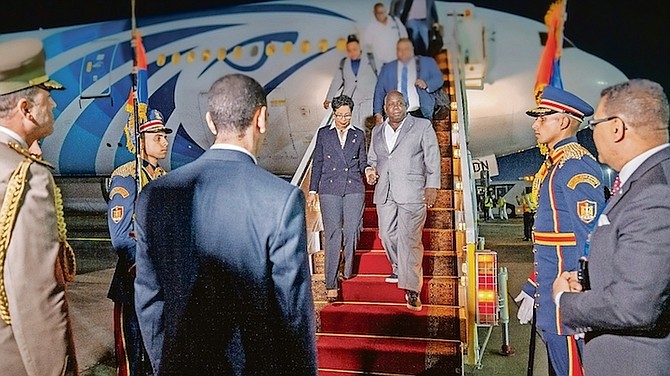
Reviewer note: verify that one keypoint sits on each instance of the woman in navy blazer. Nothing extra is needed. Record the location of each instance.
(338, 167)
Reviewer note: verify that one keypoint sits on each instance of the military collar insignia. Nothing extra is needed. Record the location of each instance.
(26, 153)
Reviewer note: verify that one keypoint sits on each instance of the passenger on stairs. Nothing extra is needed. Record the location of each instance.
(404, 161)
(418, 78)
(338, 167)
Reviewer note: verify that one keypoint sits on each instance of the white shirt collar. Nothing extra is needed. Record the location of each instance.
(223, 146)
(632, 165)
(14, 135)
(347, 128)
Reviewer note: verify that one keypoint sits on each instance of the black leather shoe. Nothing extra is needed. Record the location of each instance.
(413, 301)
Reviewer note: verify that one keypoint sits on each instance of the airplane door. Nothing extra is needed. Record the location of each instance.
(278, 152)
(95, 80)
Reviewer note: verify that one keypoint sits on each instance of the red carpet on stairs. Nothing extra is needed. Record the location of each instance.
(369, 329)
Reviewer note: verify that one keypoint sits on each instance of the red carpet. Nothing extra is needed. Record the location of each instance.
(369, 329)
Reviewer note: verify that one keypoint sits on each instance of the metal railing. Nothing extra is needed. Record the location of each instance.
(301, 178)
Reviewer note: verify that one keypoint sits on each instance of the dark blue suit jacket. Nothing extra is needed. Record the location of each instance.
(338, 171)
(388, 81)
(223, 285)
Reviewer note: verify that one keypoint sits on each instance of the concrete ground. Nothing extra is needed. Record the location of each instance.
(504, 237)
(92, 311)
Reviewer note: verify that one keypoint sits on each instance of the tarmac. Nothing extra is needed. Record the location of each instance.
(91, 311)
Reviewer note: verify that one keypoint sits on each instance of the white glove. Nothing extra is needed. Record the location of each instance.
(525, 313)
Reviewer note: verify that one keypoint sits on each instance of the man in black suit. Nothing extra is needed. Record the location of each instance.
(626, 313)
(223, 284)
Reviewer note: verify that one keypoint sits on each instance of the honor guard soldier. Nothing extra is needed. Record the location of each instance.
(36, 261)
(131, 358)
(569, 197)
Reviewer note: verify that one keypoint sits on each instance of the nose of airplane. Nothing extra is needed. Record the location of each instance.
(587, 75)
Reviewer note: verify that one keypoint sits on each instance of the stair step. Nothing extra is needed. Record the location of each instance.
(396, 320)
(434, 239)
(436, 217)
(435, 263)
(389, 355)
(335, 372)
(435, 290)
(445, 198)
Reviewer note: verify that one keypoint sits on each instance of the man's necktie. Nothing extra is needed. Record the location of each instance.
(616, 186)
(403, 82)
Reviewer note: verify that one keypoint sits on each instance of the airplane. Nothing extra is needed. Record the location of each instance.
(292, 48)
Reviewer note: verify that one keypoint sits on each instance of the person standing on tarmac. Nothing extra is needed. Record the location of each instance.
(131, 357)
(502, 208)
(568, 187)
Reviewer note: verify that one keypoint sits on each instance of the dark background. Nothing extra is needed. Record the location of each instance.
(632, 35)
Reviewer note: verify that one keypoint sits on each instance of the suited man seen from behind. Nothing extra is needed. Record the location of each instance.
(223, 284)
(405, 166)
(338, 167)
(36, 262)
(626, 313)
(417, 78)
(131, 358)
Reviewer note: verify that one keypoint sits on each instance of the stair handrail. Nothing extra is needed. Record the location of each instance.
(466, 213)
(305, 165)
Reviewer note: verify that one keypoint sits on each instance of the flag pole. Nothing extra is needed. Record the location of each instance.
(136, 113)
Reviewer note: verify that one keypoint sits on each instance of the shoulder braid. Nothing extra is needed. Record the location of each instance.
(8, 212)
(125, 170)
(573, 150)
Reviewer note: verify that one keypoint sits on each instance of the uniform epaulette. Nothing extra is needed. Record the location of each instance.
(26, 153)
(572, 150)
(125, 170)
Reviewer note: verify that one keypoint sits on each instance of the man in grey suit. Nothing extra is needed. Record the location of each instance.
(626, 312)
(223, 284)
(405, 166)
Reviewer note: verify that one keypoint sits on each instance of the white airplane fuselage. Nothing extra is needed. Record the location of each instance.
(293, 49)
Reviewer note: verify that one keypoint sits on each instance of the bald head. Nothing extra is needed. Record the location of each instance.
(233, 100)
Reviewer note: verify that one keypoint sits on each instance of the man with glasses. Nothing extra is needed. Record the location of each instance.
(569, 197)
(626, 313)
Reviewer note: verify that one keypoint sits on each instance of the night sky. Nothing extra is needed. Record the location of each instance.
(632, 35)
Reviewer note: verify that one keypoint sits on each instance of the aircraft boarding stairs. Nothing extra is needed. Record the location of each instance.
(368, 329)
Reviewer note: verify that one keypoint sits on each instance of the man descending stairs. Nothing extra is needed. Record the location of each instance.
(369, 329)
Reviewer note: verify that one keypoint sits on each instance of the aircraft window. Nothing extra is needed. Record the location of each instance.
(305, 46)
(341, 44)
(323, 45)
(270, 49)
(190, 57)
(175, 58)
(206, 55)
(543, 40)
(221, 55)
(160, 60)
(288, 47)
(254, 51)
(237, 52)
